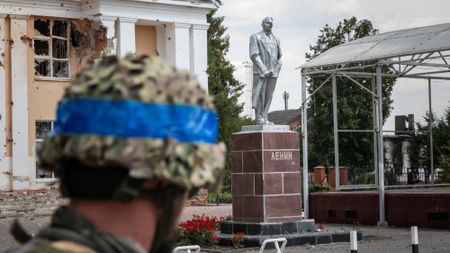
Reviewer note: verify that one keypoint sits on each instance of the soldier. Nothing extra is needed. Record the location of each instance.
(133, 139)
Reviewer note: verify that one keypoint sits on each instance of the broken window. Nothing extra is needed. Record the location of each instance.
(43, 128)
(51, 48)
(42, 67)
(60, 68)
(41, 27)
(59, 48)
(41, 47)
(59, 28)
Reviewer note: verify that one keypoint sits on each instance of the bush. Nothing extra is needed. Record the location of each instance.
(319, 188)
(224, 197)
(200, 230)
(238, 239)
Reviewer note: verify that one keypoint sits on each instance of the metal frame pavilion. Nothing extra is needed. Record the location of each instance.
(420, 53)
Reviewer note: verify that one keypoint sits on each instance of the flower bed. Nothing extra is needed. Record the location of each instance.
(200, 230)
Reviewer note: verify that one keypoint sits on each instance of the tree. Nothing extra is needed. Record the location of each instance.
(445, 177)
(354, 104)
(222, 85)
(419, 151)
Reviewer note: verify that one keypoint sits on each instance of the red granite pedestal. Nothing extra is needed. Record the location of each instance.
(266, 175)
(266, 183)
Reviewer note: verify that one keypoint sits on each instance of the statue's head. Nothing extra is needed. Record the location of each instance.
(267, 24)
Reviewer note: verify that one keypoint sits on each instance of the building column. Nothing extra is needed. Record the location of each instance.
(161, 41)
(199, 56)
(4, 158)
(19, 77)
(110, 24)
(126, 36)
(178, 45)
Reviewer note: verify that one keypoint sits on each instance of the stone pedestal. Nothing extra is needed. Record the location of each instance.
(266, 182)
(266, 174)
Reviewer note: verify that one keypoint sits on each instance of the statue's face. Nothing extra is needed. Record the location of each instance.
(267, 26)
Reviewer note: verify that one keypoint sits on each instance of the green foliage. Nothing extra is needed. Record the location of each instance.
(223, 86)
(224, 197)
(420, 156)
(354, 104)
(238, 240)
(445, 177)
(364, 177)
(319, 188)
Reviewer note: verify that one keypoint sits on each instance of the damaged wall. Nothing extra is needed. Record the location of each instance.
(88, 42)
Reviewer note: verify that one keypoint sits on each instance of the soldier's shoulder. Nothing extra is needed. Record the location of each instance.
(43, 246)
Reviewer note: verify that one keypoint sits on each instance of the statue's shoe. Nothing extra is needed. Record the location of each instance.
(268, 122)
(260, 121)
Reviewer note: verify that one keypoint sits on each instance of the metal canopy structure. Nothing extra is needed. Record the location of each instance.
(422, 53)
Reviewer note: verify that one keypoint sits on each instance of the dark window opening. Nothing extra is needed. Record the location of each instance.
(59, 48)
(331, 213)
(42, 27)
(42, 129)
(60, 69)
(438, 216)
(351, 214)
(59, 28)
(74, 36)
(42, 67)
(41, 47)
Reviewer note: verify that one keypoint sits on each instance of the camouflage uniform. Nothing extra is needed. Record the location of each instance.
(185, 164)
(71, 233)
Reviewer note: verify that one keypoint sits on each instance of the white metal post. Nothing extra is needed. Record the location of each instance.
(382, 221)
(375, 137)
(430, 131)
(335, 133)
(305, 150)
(414, 239)
(353, 241)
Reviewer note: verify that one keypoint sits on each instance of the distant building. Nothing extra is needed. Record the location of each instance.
(43, 44)
(396, 151)
(244, 73)
(286, 117)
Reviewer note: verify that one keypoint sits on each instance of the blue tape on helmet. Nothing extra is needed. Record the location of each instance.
(133, 119)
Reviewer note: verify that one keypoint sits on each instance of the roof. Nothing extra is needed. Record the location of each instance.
(217, 3)
(283, 117)
(386, 45)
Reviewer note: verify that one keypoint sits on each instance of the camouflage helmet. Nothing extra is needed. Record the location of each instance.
(142, 114)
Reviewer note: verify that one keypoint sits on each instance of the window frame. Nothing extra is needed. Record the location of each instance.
(40, 140)
(50, 57)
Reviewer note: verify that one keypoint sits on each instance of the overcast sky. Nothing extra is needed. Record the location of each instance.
(297, 24)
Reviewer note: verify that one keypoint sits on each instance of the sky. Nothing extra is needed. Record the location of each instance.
(297, 24)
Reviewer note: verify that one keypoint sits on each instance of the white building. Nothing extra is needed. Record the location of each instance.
(244, 73)
(43, 43)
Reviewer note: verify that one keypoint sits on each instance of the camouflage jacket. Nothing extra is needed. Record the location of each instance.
(71, 233)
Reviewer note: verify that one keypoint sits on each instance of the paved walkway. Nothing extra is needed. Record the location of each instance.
(222, 210)
(375, 239)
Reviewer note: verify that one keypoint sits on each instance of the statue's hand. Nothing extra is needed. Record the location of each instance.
(268, 74)
(265, 74)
